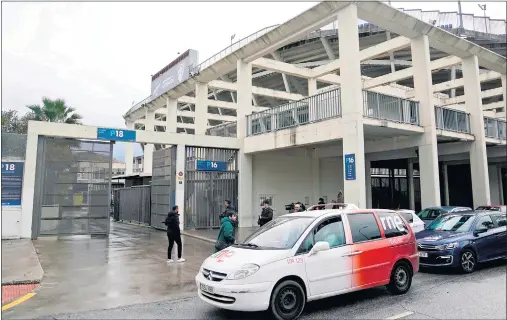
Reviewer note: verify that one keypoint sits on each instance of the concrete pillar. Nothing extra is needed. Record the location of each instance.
(312, 87)
(453, 77)
(171, 120)
(367, 170)
(503, 77)
(149, 148)
(312, 90)
(315, 161)
(446, 185)
(28, 190)
(352, 105)
(129, 151)
(246, 208)
(428, 153)
(201, 108)
(478, 156)
(500, 185)
(410, 180)
(180, 184)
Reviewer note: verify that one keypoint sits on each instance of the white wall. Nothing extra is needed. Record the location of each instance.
(494, 184)
(11, 217)
(331, 177)
(284, 174)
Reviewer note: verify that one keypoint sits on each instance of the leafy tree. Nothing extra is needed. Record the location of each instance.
(55, 111)
(13, 123)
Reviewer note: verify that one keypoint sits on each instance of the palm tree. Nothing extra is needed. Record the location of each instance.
(55, 111)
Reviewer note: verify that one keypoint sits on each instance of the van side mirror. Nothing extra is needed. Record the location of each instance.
(320, 246)
(479, 231)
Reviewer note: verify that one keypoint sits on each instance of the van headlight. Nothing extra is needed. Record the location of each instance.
(245, 271)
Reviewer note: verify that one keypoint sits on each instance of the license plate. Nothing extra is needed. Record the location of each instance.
(206, 288)
(423, 254)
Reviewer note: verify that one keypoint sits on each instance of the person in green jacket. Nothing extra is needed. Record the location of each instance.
(226, 233)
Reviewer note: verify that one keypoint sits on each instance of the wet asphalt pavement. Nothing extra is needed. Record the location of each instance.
(480, 295)
(126, 277)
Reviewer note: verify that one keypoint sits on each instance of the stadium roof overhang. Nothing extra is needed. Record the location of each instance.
(375, 12)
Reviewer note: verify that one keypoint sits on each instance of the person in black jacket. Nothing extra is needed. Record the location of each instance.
(266, 214)
(173, 233)
(229, 209)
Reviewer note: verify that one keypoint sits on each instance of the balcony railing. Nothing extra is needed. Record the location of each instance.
(139, 105)
(228, 129)
(384, 107)
(322, 106)
(495, 128)
(452, 120)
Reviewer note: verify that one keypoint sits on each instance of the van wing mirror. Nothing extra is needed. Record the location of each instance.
(320, 246)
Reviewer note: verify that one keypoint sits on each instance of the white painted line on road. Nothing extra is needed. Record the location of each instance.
(401, 315)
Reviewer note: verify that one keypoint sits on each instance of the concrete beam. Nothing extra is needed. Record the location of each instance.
(484, 94)
(494, 105)
(286, 84)
(409, 72)
(458, 83)
(328, 48)
(229, 86)
(278, 66)
(365, 54)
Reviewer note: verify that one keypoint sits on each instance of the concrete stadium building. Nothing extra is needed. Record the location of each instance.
(297, 96)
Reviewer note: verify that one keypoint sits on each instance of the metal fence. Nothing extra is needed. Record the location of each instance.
(133, 204)
(385, 107)
(495, 128)
(73, 187)
(319, 107)
(163, 181)
(452, 120)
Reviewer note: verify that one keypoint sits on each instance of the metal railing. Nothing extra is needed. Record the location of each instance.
(322, 106)
(384, 107)
(227, 129)
(495, 128)
(452, 120)
(230, 49)
(139, 105)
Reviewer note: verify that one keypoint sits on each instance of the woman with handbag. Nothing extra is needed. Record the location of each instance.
(226, 233)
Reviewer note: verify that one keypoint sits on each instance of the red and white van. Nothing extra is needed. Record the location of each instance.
(311, 255)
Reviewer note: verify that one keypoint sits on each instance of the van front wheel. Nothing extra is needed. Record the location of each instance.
(288, 300)
(401, 279)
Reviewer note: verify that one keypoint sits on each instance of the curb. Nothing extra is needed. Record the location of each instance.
(18, 282)
(197, 237)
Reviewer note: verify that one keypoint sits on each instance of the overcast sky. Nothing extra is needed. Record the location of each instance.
(99, 56)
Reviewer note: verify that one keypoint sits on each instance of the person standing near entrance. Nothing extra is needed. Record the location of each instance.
(173, 233)
(226, 235)
(266, 214)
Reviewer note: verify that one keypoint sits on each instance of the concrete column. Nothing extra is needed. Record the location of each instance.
(367, 170)
(201, 108)
(453, 77)
(171, 120)
(149, 148)
(352, 104)
(315, 177)
(446, 185)
(28, 190)
(500, 185)
(129, 151)
(312, 90)
(180, 184)
(246, 208)
(428, 153)
(410, 179)
(478, 155)
(503, 77)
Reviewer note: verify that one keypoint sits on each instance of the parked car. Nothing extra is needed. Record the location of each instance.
(333, 205)
(429, 214)
(463, 239)
(306, 256)
(493, 207)
(415, 222)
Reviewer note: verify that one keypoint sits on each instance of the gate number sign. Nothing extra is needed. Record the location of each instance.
(350, 166)
(208, 165)
(12, 183)
(116, 134)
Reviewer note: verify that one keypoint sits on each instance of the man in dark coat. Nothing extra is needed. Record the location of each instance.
(173, 233)
(266, 214)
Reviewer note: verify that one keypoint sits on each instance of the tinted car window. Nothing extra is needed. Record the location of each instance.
(499, 220)
(452, 222)
(392, 224)
(424, 214)
(484, 222)
(408, 216)
(330, 230)
(364, 227)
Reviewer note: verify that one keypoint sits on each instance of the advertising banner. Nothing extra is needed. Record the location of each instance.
(173, 74)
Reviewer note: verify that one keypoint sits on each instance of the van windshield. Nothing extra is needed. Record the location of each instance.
(278, 234)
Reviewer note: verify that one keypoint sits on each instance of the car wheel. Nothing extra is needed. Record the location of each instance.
(288, 300)
(401, 279)
(467, 261)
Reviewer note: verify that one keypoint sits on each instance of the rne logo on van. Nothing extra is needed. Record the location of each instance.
(391, 221)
